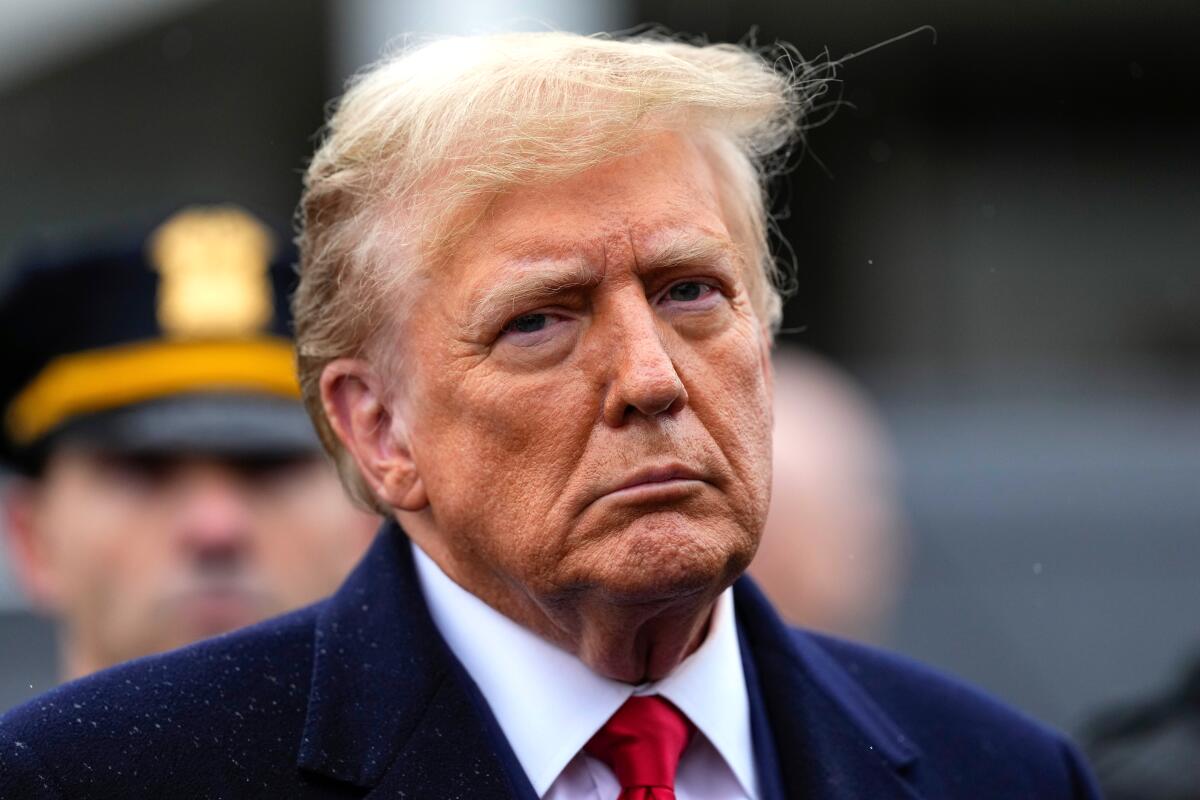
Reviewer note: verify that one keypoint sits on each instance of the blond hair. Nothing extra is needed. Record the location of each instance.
(420, 139)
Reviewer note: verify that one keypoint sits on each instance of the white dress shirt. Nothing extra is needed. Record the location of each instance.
(549, 703)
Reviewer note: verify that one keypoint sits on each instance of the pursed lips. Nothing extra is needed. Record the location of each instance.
(654, 483)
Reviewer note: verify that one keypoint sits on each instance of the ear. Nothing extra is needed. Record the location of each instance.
(373, 432)
(30, 555)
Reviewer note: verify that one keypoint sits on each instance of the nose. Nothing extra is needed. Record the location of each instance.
(214, 517)
(643, 378)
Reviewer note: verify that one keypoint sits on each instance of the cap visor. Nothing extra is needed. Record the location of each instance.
(201, 424)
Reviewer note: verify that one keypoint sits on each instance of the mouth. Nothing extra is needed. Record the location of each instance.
(217, 607)
(655, 484)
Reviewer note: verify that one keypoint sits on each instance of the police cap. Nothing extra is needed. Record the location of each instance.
(175, 341)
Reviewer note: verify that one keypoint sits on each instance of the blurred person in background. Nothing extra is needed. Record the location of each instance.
(534, 324)
(831, 555)
(168, 485)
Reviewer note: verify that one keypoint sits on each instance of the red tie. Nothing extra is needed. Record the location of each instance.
(642, 744)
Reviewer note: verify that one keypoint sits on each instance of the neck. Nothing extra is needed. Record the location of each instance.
(633, 642)
(77, 661)
(637, 644)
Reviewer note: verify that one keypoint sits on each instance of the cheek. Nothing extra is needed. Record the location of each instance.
(501, 448)
(311, 528)
(101, 548)
(730, 393)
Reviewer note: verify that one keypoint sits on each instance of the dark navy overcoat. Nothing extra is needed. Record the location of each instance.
(358, 696)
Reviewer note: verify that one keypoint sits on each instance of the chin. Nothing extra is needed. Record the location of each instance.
(204, 617)
(661, 557)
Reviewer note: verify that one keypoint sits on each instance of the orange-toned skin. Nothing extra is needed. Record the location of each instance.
(560, 352)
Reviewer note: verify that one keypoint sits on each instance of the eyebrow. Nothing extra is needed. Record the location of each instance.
(543, 278)
(537, 279)
(678, 249)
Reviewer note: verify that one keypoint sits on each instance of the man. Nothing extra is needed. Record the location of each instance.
(831, 555)
(533, 327)
(169, 486)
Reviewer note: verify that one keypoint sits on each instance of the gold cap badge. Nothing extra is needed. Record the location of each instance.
(213, 265)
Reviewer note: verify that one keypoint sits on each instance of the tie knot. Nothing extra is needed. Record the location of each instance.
(642, 744)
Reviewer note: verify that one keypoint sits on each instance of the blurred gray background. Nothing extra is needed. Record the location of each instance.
(1000, 237)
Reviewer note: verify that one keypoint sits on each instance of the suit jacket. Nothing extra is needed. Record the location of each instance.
(358, 696)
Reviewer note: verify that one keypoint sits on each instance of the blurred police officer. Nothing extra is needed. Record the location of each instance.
(169, 486)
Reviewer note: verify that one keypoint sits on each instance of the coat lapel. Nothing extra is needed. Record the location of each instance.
(388, 708)
(391, 710)
(829, 738)
(449, 757)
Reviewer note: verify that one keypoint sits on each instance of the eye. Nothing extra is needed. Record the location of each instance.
(535, 328)
(274, 472)
(688, 292)
(137, 473)
(528, 323)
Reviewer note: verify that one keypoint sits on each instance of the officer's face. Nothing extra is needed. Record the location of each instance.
(585, 392)
(142, 554)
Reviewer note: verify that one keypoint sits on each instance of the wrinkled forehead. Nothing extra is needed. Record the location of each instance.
(654, 208)
(659, 203)
(663, 171)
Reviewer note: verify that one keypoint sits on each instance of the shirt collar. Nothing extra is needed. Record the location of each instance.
(549, 703)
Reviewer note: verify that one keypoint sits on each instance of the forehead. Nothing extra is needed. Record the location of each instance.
(663, 191)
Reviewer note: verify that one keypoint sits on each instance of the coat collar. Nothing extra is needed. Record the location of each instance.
(389, 706)
(391, 709)
(828, 737)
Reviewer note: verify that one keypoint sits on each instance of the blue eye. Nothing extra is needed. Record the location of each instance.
(686, 292)
(527, 323)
